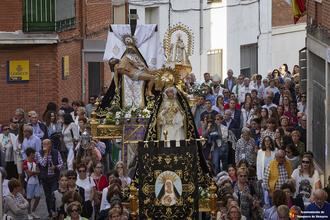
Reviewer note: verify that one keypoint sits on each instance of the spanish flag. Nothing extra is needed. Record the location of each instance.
(298, 9)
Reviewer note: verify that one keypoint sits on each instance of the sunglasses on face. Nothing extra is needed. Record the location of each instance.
(243, 175)
(305, 161)
(74, 210)
(71, 178)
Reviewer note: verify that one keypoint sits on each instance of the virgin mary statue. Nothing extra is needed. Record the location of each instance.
(178, 54)
(171, 117)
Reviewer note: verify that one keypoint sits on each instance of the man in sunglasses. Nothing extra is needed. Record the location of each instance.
(13, 126)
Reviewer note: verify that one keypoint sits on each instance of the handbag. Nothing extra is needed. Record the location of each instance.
(7, 217)
(73, 140)
(62, 147)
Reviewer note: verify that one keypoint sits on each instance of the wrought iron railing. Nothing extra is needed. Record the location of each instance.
(48, 15)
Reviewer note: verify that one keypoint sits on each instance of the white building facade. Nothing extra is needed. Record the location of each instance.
(286, 43)
(228, 34)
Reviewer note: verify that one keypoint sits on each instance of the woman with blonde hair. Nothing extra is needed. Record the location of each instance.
(244, 193)
(234, 213)
(81, 113)
(307, 178)
(74, 210)
(122, 172)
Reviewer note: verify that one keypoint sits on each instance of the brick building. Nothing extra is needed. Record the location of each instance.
(59, 40)
(318, 81)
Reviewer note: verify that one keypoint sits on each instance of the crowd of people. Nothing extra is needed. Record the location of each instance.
(255, 131)
(51, 155)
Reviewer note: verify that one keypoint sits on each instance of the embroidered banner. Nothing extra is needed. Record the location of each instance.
(168, 180)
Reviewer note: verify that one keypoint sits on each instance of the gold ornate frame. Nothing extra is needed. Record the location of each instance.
(168, 38)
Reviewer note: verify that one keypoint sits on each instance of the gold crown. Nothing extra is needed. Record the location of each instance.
(168, 175)
(166, 77)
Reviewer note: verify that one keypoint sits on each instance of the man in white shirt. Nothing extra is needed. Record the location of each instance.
(207, 79)
(271, 88)
(269, 102)
(246, 88)
(238, 85)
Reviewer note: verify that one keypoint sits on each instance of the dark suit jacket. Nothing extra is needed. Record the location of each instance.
(298, 201)
(226, 83)
(234, 126)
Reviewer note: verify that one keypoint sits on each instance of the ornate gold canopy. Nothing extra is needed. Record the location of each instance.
(178, 45)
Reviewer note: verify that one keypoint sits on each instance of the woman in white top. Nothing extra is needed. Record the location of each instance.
(122, 172)
(7, 146)
(264, 156)
(86, 182)
(307, 178)
(70, 136)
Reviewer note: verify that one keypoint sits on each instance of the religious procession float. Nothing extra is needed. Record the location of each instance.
(146, 111)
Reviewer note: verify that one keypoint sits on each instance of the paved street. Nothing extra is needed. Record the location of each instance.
(42, 208)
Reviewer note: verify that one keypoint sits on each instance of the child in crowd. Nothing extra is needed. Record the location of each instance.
(31, 172)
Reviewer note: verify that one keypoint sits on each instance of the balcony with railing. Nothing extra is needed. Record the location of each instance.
(48, 15)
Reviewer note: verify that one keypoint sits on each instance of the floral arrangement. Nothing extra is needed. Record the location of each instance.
(199, 90)
(203, 193)
(116, 116)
